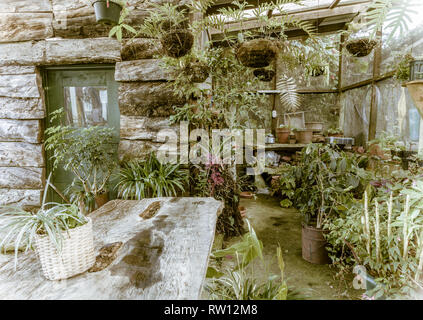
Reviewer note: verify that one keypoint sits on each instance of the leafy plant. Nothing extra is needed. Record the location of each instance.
(149, 178)
(20, 227)
(88, 153)
(383, 232)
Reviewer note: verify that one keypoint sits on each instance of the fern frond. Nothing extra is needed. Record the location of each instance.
(288, 95)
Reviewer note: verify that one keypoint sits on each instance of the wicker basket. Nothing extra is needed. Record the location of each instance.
(76, 257)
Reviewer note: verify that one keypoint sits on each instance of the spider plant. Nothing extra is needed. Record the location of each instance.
(139, 179)
(20, 227)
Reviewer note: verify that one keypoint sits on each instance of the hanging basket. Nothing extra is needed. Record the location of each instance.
(76, 256)
(198, 71)
(360, 47)
(257, 53)
(177, 43)
(265, 75)
(107, 12)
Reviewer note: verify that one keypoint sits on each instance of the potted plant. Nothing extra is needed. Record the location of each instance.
(60, 234)
(326, 180)
(170, 23)
(335, 132)
(303, 136)
(359, 43)
(109, 11)
(283, 133)
(89, 153)
(257, 53)
(265, 75)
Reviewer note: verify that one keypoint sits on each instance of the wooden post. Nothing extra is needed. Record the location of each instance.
(376, 72)
(341, 120)
(274, 96)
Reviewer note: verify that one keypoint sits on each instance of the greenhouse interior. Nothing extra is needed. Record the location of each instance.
(211, 150)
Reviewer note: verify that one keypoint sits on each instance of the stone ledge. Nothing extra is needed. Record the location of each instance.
(23, 198)
(21, 178)
(20, 131)
(141, 70)
(25, 109)
(16, 27)
(21, 154)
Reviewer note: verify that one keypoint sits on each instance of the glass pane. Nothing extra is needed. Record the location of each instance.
(86, 106)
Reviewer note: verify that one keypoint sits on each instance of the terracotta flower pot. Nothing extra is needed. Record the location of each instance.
(243, 211)
(304, 136)
(283, 135)
(315, 126)
(101, 199)
(246, 195)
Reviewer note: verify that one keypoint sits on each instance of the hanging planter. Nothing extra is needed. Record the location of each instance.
(265, 75)
(198, 71)
(177, 43)
(107, 12)
(360, 47)
(257, 53)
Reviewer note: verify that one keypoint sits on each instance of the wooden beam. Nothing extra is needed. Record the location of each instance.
(376, 72)
(334, 4)
(368, 81)
(298, 14)
(219, 4)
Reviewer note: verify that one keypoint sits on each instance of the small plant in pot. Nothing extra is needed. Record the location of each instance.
(303, 136)
(335, 132)
(283, 133)
(59, 233)
(109, 11)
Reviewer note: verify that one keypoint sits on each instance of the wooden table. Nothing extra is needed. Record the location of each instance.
(162, 257)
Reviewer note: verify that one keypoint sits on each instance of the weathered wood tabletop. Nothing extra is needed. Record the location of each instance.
(162, 254)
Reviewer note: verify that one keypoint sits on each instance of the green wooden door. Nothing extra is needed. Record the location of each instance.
(88, 95)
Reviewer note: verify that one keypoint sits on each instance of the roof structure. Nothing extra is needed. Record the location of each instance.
(327, 15)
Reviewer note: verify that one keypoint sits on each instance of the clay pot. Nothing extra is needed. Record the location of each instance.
(304, 136)
(177, 43)
(101, 200)
(243, 211)
(246, 195)
(360, 47)
(283, 135)
(314, 245)
(107, 13)
(257, 53)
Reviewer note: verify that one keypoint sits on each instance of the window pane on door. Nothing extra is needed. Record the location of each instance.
(86, 106)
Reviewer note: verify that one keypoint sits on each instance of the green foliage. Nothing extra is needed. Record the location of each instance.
(20, 227)
(239, 284)
(327, 181)
(89, 153)
(149, 178)
(402, 69)
(392, 15)
(390, 248)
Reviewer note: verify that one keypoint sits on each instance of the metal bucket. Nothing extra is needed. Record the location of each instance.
(314, 245)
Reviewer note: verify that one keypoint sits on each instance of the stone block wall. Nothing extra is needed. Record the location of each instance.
(39, 33)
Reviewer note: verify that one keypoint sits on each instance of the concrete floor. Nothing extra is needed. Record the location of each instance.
(275, 225)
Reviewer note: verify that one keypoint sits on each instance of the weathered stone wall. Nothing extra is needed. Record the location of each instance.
(34, 34)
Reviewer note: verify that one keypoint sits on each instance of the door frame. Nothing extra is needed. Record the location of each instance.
(44, 70)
